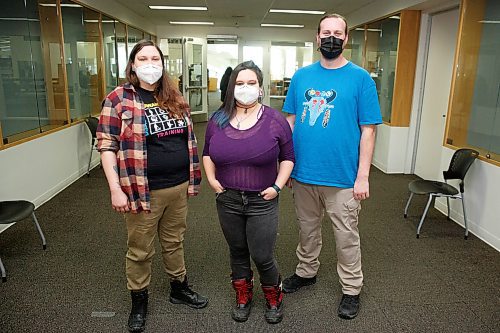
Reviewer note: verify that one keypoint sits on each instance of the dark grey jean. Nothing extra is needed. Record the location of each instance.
(250, 224)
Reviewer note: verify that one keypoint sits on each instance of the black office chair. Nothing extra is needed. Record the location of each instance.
(459, 165)
(92, 123)
(16, 211)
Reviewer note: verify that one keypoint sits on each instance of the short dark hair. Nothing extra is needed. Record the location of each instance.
(333, 16)
(228, 107)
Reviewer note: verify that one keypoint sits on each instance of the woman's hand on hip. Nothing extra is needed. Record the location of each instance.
(216, 186)
(119, 201)
(269, 193)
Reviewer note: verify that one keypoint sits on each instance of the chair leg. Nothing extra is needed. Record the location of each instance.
(423, 216)
(90, 159)
(448, 205)
(44, 243)
(465, 217)
(2, 269)
(408, 205)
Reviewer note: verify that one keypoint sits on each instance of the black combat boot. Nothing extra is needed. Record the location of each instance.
(180, 293)
(137, 318)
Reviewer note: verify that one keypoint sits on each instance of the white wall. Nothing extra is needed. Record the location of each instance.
(390, 149)
(39, 169)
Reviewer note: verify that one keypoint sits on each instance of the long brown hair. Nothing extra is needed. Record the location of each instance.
(166, 93)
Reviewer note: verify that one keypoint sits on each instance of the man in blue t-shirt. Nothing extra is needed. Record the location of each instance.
(333, 109)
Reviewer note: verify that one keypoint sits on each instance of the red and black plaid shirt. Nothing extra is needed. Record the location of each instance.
(122, 130)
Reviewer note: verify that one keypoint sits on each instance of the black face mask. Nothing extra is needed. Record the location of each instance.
(331, 47)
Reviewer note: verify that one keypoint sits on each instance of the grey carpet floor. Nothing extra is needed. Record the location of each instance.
(438, 283)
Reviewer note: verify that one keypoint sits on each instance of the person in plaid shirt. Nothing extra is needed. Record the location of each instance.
(149, 155)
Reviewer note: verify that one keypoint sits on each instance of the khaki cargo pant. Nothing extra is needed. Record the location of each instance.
(167, 219)
(311, 202)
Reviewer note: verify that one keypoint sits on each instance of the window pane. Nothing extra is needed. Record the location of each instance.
(82, 53)
(354, 48)
(134, 35)
(475, 107)
(23, 94)
(110, 59)
(381, 55)
(121, 39)
(173, 62)
(254, 53)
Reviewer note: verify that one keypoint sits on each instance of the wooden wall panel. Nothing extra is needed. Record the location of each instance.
(405, 68)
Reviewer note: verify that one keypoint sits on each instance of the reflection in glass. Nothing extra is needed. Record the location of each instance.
(381, 55)
(474, 119)
(121, 45)
(24, 101)
(82, 54)
(134, 35)
(354, 48)
(110, 59)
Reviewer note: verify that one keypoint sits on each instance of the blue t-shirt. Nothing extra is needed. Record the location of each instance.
(329, 106)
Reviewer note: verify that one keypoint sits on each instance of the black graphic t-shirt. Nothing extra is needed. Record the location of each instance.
(167, 145)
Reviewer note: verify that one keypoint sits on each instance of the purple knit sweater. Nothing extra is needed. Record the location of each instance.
(248, 159)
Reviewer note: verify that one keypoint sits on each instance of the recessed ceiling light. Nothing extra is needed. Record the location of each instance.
(282, 25)
(191, 23)
(297, 11)
(178, 7)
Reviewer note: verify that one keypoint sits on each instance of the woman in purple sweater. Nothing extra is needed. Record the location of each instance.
(248, 157)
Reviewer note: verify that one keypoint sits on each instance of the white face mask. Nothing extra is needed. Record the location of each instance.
(149, 73)
(246, 94)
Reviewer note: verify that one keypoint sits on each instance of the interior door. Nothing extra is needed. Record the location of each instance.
(438, 77)
(258, 52)
(195, 78)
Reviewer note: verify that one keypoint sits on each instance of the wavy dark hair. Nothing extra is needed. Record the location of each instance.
(228, 108)
(166, 93)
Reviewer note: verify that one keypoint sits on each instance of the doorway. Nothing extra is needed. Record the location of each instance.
(438, 77)
(221, 54)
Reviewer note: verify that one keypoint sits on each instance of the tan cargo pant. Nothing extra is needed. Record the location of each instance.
(311, 202)
(167, 219)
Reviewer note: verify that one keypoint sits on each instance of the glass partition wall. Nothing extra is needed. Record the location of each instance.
(379, 47)
(45, 86)
(474, 110)
(82, 49)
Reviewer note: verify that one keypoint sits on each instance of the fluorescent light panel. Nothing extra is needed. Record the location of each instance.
(191, 23)
(74, 5)
(491, 22)
(178, 7)
(282, 25)
(297, 11)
